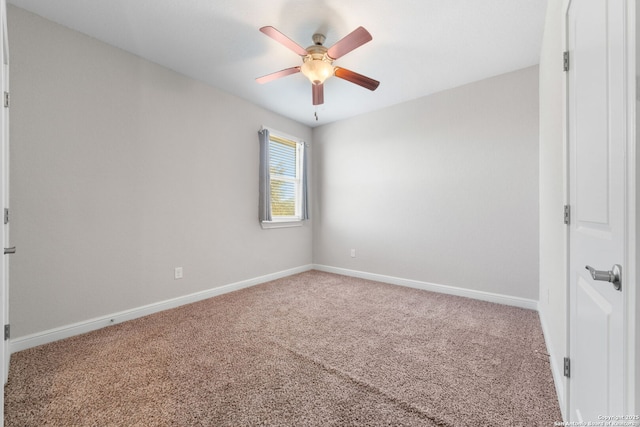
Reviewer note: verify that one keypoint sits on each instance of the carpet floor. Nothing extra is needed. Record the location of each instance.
(313, 349)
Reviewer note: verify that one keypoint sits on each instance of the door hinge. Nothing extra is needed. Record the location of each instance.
(6, 100)
(567, 367)
(7, 331)
(6, 215)
(565, 60)
(567, 214)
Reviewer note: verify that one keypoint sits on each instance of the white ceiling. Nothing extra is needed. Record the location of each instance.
(419, 46)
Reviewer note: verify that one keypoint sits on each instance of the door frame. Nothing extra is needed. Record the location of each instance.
(4, 183)
(631, 296)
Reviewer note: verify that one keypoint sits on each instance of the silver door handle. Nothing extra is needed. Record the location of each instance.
(614, 276)
(10, 250)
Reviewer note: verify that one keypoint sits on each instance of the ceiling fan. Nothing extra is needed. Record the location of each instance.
(317, 60)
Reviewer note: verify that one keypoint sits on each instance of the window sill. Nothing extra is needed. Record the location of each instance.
(281, 224)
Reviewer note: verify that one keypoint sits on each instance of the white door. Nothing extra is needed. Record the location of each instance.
(596, 132)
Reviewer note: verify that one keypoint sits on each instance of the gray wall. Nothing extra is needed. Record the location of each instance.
(443, 189)
(122, 170)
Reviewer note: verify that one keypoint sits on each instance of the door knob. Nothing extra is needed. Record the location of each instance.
(614, 276)
(11, 250)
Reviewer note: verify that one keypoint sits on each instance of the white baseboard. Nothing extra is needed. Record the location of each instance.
(557, 370)
(55, 334)
(51, 335)
(444, 289)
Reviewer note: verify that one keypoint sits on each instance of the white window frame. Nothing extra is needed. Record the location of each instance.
(296, 219)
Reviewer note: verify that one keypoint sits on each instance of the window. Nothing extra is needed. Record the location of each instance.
(285, 170)
(283, 193)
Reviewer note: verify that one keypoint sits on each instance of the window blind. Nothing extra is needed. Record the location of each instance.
(285, 182)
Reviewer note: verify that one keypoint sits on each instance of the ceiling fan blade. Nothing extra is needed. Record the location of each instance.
(355, 39)
(278, 74)
(318, 94)
(356, 78)
(284, 40)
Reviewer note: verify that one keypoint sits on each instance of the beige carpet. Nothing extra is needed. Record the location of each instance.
(314, 349)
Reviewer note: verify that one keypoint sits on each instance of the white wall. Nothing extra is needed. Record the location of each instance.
(553, 245)
(442, 189)
(122, 170)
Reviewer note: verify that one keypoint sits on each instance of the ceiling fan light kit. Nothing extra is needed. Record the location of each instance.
(317, 61)
(317, 70)
(317, 66)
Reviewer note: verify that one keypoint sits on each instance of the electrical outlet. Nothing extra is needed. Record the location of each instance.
(353, 253)
(177, 274)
